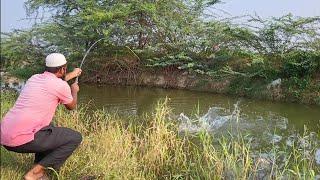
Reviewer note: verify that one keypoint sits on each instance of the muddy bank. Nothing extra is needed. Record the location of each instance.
(160, 78)
(167, 78)
(275, 90)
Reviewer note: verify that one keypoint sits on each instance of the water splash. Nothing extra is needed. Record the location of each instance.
(210, 121)
(291, 140)
(186, 124)
(273, 138)
(317, 156)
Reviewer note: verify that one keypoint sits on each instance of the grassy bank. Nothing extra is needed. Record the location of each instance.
(150, 147)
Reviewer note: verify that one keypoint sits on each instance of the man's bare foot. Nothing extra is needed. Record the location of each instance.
(35, 173)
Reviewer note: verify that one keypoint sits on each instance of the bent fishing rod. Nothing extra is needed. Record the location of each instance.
(87, 52)
(85, 55)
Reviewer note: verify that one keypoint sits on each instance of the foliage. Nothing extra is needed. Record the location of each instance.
(180, 61)
(21, 48)
(25, 72)
(278, 35)
(135, 23)
(169, 33)
(301, 64)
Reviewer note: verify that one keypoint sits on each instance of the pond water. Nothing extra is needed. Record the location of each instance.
(265, 122)
(139, 100)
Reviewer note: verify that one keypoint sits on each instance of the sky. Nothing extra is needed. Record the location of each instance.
(269, 8)
(13, 13)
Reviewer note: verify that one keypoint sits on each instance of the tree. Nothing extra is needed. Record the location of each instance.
(278, 35)
(135, 23)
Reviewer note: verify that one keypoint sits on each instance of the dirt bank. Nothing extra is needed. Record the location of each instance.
(179, 79)
(277, 90)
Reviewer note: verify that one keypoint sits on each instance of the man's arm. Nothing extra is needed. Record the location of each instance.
(75, 73)
(74, 92)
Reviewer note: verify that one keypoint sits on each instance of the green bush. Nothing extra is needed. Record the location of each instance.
(25, 72)
(301, 64)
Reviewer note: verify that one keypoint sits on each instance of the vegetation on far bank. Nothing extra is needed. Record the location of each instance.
(150, 147)
(175, 35)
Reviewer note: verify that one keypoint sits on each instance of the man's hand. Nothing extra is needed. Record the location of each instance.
(75, 73)
(74, 88)
(74, 91)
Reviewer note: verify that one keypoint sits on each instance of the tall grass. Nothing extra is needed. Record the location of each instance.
(150, 147)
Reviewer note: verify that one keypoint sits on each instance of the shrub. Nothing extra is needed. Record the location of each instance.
(301, 64)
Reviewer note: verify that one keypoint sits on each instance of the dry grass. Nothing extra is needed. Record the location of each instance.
(118, 148)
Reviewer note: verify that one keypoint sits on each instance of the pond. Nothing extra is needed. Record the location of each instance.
(265, 122)
(263, 114)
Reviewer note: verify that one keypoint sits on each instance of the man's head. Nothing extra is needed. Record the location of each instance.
(56, 63)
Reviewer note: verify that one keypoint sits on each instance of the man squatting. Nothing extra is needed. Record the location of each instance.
(27, 127)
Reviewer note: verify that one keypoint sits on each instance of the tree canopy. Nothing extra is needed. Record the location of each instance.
(160, 32)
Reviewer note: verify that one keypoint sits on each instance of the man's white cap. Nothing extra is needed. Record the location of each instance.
(55, 60)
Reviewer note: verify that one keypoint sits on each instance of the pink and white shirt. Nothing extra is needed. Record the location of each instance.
(34, 108)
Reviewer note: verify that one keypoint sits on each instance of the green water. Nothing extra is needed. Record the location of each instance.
(256, 115)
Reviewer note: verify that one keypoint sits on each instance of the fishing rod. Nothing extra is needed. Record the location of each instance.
(85, 55)
(87, 52)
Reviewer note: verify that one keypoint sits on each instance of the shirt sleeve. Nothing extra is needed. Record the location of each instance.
(64, 93)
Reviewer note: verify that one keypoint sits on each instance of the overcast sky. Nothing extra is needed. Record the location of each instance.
(13, 12)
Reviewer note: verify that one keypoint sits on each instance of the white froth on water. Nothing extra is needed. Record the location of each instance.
(317, 156)
(210, 121)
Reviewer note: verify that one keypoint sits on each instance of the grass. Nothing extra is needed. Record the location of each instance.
(114, 147)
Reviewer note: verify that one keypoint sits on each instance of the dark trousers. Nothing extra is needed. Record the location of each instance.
(51, 145)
